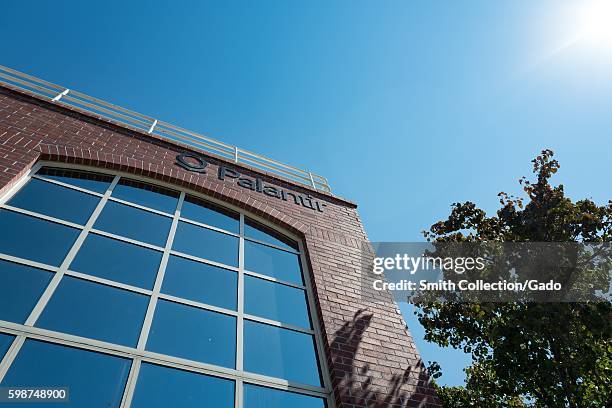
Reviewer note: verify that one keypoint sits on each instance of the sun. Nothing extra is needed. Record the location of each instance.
(595, 23)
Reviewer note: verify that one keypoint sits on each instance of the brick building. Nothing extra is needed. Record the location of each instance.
(247, 291)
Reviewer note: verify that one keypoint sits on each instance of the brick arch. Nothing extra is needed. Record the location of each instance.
(173, 175)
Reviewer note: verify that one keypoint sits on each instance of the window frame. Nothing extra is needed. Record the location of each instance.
(139, 354)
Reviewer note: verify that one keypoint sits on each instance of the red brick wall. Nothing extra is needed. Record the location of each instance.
(371, 357)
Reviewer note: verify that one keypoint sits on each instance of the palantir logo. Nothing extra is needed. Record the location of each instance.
(192, 162)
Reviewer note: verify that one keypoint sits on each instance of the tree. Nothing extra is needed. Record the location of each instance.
(526, 353)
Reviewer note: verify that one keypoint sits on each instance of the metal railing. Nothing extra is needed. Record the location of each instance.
(168, 131)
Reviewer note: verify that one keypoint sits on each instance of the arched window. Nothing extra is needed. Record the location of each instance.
(127, 293)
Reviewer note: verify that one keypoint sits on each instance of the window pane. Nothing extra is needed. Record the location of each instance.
(272, 262)
(143, 225)
(281, 353)
(146, 194)
(56, 201)
(35, 239)
(87, 180)
(117, 260)
(201, 282)
(262, 397)
(210, 214)
(20, 288)
(206, 243)
(5, 343)
(275, 301)
(96, 311)
(255, 230)
(165, 387)
(194, 334)
(94, 380)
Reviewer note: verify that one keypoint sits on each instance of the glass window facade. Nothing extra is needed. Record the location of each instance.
(55, 201)
(89, 309)
(20, 288)
(282, 353)
(188, 389)
(146, 294)
(201, 282)
(206, 243)
(192, 333)
(35, 239)
(262, 397)
(93, 379)
(5, 343)
(119, 261)
(281, 265)
(274, 301)
(134, 223)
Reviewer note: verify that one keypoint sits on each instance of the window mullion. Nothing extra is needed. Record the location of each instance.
(10, 355)
(146, 326)
(240, 319)
(130, 386)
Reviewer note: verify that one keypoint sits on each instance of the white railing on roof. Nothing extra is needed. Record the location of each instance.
(147, 124)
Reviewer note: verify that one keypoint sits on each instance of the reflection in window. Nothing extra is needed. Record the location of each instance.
(194, 334)
(281, 353)
(275, 301)
(256, 396)
(94, 380)
(255, 230)
(210, 214)
(84, 179)
(272, 262)
(35, 239)
(143, 225)
(96, 311)
(5, 343)
(206, 243)
(116, 260)
(201, 282)
(163, 387)
(146, 194)
(20, 288)
(55, 201)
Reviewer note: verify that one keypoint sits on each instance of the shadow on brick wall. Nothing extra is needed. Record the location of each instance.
(356, 388)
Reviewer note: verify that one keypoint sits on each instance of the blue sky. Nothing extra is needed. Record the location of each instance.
(405, 106)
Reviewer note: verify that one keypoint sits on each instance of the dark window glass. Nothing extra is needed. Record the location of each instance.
(96, 311)
(194, 334)
(87, 180)
(206, 243)
(5, 343)
(210, 214)
(20, 288)
(263, 397)
(281, 353)
(272, 262)
(35, 239)
(95, 380)
(134, 223)
(275, 301)
(255, 230)
(146, 194)
(56, 201)
(201, 282)
(165, 387)
(117, 260)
